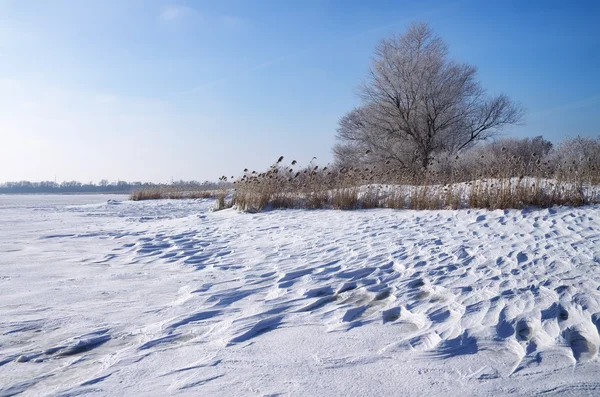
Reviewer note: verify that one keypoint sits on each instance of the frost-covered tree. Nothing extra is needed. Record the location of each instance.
(417, 102)
(578, 157)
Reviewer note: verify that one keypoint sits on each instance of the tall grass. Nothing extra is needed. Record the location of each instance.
(504, 174)
(172, 193)
(506, 182)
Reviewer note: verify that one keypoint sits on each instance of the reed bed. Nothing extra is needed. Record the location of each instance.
(172, 193)
(510, 182)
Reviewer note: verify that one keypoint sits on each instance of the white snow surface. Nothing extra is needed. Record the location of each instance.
(107, 297)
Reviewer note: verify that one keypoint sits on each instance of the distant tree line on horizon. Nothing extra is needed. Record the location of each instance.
(104, 186)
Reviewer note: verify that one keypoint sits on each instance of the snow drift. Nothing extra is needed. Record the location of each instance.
(151, 298)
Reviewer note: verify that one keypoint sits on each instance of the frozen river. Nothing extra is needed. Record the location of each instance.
(102, 296)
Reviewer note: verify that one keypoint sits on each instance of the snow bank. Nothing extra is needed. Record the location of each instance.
(167, 297)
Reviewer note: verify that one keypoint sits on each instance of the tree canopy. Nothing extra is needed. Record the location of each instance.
(416, 102)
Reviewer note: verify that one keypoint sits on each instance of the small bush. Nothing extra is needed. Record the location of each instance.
(146, 194)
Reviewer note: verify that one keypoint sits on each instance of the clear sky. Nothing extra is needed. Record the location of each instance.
(153, 90)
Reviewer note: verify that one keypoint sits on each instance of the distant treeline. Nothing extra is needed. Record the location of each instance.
(104, 186)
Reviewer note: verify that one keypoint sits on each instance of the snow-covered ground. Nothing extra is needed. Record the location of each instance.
(154, 298)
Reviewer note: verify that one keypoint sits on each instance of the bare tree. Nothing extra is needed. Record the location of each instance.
(416, 103)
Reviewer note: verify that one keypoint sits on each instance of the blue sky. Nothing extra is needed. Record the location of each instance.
(153, 90)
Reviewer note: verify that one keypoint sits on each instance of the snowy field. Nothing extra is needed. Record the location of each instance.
(155, 298)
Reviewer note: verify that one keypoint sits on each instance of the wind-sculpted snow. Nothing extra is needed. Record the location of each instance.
(154, 298)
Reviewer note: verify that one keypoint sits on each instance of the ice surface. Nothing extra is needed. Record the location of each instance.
(101, 296)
